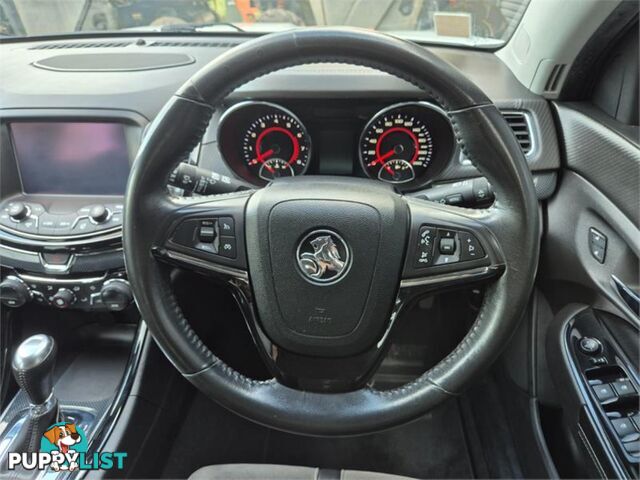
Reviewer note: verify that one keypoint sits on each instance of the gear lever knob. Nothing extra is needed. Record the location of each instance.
(32, 367)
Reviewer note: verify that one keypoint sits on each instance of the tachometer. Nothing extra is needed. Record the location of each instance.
(276, 144)
(398, 144)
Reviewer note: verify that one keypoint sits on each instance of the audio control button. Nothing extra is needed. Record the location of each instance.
(18, 211)
(83, 225)
(99, 214)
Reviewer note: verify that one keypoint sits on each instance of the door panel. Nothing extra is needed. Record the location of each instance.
(592, 240)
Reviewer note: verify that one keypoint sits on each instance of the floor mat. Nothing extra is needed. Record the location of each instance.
(432, 447)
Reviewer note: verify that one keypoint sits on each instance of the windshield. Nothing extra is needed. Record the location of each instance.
(476, 23)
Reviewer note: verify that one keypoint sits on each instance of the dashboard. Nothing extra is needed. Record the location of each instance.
(70, 127)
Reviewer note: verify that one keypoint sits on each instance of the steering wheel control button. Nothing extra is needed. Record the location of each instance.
(64, 298)
(213, 235)
(590, 346)
(426, 240)
(226, 226)
(324, 257)
(624, 388)
(623, 426)
(597, 244)
(470, 247)
(447, 246)
(227, 247)
(604, 393)
(207, 233)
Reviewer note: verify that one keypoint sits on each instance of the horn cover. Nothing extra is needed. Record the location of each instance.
(325, 262)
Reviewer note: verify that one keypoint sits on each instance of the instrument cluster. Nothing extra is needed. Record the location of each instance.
(405, 144)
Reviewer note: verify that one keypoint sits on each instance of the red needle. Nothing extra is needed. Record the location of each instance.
(261, 158)
(382, 158)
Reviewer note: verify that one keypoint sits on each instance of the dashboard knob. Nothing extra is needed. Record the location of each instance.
(99, 213)
(14, 292)
(116, 294)
(64, 298)
(19, 211)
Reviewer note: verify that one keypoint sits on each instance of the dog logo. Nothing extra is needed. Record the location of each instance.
(66, 439)
(323, 257)
(64, 448)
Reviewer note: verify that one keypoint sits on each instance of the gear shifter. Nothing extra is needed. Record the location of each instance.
(32, 366)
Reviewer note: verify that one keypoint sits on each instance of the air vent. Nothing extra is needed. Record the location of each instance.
(169, 43)
(67, 45)
(555, 77)
(521, 126)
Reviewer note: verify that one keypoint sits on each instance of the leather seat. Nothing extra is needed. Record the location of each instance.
(249, 471)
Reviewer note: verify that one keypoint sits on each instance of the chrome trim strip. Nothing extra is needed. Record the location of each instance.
(62, 281)
(63, 241)
(214, 267)
(453, 277)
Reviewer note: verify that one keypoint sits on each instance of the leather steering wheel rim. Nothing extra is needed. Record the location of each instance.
(483, 136)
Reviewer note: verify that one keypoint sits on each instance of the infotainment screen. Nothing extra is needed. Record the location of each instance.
(72, 158)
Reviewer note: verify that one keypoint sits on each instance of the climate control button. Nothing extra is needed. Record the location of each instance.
(64, 298)
(14, 292)
(116, 294)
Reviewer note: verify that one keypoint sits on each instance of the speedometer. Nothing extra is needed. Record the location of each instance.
(399, 144)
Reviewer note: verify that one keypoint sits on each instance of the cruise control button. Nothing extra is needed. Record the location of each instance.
(470, 247)
(227, 247)
(226, 226)
(623, 426)
(604, 393)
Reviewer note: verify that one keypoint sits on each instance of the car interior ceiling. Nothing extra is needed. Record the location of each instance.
(561, 397)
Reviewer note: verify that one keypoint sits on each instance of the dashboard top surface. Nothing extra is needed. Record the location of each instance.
(25, 85)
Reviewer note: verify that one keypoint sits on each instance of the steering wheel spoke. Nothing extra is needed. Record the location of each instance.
(449, 247)
(206, 235)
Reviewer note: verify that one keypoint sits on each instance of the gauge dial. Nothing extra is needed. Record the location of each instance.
(275, 145)
(396, 146)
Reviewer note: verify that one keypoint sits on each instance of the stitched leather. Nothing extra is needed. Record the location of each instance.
(485, 139)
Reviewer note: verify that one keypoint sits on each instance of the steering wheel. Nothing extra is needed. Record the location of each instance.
(323, 266)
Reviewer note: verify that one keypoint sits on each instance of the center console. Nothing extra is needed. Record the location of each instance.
(64, 174)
